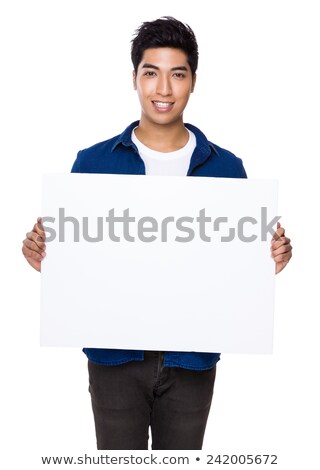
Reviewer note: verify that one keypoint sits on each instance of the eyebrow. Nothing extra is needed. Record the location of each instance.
(151, 66)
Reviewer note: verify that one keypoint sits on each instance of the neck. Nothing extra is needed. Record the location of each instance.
(162, 137)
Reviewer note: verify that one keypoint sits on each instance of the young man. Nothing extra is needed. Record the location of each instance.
(169, 391)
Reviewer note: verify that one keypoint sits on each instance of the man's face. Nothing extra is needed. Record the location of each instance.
(164, 82)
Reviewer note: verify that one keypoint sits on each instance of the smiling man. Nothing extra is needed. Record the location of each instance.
(164, 81)
(169, 391)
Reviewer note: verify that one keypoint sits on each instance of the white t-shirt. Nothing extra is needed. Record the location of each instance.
(166, 163)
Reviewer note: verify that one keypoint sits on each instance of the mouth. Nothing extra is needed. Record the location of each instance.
(163, 105)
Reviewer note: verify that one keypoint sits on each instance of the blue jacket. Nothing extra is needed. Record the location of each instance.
(119, 155)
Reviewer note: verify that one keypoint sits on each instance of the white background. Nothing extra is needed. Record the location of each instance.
(65, 85)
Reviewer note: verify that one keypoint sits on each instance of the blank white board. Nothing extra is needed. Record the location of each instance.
(148, 284)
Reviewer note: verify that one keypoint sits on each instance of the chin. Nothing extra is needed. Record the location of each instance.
(165, 120)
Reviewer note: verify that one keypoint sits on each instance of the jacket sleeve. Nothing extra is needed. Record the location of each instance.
(76, 166)
(242, 171)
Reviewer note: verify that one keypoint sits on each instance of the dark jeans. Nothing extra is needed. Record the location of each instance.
(130, 397)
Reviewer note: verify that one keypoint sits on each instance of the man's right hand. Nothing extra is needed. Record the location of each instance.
(33, 247)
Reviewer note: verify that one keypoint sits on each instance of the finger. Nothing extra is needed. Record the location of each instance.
(282, 249)
(280, 244)
(283, 257)
(281, 241)
(31, 254)
(278, 234)
(280, 231)
(32, 246)
(35, 237)
(38, 228)
(40, 224)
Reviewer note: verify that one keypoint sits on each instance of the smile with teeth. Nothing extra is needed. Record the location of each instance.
(162, 104)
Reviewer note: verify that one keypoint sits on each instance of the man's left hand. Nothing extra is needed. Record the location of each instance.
(281, 249)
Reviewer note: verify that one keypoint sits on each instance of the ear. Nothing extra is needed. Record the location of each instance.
(134, 79)
(194, 79)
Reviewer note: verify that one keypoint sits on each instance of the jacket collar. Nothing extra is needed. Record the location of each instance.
(125, 137)
(201, 153)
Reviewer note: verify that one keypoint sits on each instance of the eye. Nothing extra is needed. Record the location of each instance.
(149, 74)
(179, 75)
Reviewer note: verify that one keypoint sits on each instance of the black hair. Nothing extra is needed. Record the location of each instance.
(165, 32)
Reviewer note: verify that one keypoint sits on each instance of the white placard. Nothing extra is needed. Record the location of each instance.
(198, 276)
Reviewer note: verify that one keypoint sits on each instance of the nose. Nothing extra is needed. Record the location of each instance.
(163, 86)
